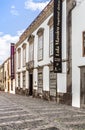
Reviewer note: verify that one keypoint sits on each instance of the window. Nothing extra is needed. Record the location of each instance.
(8, 67)
(18, 79)
(50, 24)
(24, 55)
(40, 47)
(40, 43)
(19, 58)
(31, 45)
(11, 85)
(83, 43)
(24, 79)
(40, 82)
(51, 40)
(31, 51)
(52, 82)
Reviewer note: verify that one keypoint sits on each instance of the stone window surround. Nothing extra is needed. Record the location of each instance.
(50, 24)
(24, 56)
(40, 32)
(31, 41)
(19, 57)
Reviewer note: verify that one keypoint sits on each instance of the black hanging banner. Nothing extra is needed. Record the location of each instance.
(57, 58)
(12, 61)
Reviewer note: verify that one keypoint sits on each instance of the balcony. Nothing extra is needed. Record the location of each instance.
(30, 65)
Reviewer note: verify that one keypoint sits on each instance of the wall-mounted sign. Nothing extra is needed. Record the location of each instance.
(12, 61)
(57, 36)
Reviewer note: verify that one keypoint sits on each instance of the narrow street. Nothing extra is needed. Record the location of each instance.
(28, 113)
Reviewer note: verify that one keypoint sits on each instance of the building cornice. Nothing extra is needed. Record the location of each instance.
(6, 60)
(36, 23)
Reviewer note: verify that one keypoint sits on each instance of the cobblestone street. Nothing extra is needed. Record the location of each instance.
(27, 113)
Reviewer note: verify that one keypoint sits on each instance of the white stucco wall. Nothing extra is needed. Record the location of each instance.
(35, 79)
(12, 91)
(78, 26)
(46, 78)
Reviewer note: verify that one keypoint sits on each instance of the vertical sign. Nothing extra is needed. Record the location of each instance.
(12, 60)
(57, 67)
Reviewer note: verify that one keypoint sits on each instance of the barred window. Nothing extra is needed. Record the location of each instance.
(40, 82)
(12, 85)
(24, 56)
(24, 79)
(19, 58)
(31, 51)
(18, 79)
(51, 40)
(84, 43)
(52, 82)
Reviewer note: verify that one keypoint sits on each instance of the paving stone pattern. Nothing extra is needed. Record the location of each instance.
(27, 113)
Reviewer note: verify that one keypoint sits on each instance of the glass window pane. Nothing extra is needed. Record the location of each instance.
(51, 40)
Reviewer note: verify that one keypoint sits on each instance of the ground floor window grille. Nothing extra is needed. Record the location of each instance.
(18, 79)
(40, 82)
(24, 79)
(11, 85)
(52, 78)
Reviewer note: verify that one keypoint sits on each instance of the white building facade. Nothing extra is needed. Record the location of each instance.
(34, 59)
(78, 54)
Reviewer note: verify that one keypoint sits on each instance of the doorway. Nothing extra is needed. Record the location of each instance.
(30, 84)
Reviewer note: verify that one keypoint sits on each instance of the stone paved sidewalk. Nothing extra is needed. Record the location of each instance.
(28, 113)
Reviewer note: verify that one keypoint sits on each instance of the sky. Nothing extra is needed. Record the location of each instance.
(15, 17)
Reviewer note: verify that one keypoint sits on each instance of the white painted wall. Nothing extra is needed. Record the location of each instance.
(35, 79)
(64, 56)
(12, 91)
(78, 26)
(62, 80)
(46, 78)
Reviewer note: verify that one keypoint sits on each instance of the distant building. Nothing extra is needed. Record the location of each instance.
(2, 77)
(9, 85)
(7, 76)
